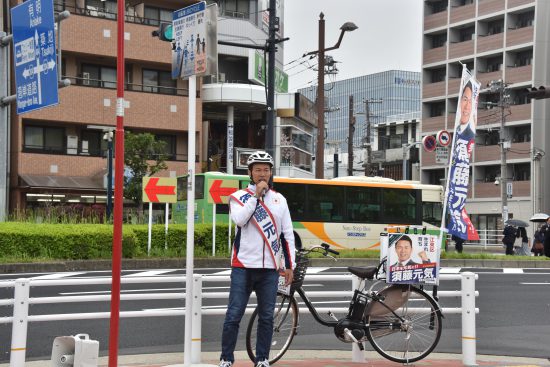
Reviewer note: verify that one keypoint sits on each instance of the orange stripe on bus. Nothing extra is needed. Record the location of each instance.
(318, 229)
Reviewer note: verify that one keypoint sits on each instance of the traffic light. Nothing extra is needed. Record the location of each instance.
(540, 93)
(164, 33)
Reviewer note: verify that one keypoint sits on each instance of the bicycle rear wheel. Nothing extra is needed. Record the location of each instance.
(411, 336)
(285, 324)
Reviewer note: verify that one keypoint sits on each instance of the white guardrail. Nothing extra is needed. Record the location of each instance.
(22, 300)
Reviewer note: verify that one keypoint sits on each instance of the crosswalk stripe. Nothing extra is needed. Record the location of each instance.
(315, 270)
(58, 275)
(150, 273)
(512, 271)
(449, 270)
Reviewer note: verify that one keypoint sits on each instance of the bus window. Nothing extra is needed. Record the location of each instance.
(326, 203)
(363, 205)
(182, 188)
(399, 206)
(431, 213)
(296, 199)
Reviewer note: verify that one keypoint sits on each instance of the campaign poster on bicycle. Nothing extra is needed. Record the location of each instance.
(412, 258)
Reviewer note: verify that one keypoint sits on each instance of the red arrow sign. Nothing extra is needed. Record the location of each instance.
(152, 190)
(217, 191)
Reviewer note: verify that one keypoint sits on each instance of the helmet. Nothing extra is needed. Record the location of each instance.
(259, 157)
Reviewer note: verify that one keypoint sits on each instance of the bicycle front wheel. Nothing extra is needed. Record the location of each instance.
(285, 324)
(411, 331)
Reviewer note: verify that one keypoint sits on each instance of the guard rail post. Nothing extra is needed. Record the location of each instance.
(196, 338)
(468, 303)
(357, 355)
(19, 322)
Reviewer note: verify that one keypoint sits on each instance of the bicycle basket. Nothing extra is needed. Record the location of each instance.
(302, 263)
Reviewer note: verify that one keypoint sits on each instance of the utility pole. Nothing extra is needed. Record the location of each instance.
(4, 114)
(367, 142)
(271, 49)
(501, 87)
(350, 136)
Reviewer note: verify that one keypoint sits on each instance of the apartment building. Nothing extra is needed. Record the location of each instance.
(58, 154)
(496, 39)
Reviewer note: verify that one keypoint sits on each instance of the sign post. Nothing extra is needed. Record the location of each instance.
(34, 55)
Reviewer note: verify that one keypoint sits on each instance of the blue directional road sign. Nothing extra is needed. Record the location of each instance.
(34, 55)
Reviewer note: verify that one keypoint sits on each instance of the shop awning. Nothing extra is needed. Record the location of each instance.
(62, 182)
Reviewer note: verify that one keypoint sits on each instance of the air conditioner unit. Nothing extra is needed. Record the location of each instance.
(86, 78)
(72, 144)
(221, 77)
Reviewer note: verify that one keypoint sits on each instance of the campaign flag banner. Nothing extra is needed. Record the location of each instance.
(461, 152)
(412, 258)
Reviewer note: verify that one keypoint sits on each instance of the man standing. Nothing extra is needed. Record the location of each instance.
(261, 216)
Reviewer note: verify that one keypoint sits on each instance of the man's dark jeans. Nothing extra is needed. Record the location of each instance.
(243, 281)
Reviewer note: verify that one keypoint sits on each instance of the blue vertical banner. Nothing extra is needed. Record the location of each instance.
(461, 152)
(34, 55)
(190, 36)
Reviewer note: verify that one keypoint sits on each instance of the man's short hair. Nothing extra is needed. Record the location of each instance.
(405, 238)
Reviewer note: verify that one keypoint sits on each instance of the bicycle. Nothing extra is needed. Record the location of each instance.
(384, 318)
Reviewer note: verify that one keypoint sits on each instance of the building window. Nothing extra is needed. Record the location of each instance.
(236, 8)
(169, 146)
(101, 8)
(526, 19)
(466, 34)
(522, 172)
(495, 27)
(44, 139)
(524, 58)
(438, 40)
(157, 81)
(437, 109)
(92, 143)
(494, 64)
(438, 75)
(154, 15)
(98, 76)
(521, 134)
(438, 6)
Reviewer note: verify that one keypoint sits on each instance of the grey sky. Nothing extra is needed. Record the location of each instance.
(389, 36)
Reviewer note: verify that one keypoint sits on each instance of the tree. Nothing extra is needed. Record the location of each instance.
(144, 156)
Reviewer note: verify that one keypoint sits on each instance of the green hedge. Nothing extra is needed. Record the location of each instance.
(94, 241)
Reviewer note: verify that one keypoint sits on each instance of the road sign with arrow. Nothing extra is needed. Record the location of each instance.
(219, 190)
(159, 190)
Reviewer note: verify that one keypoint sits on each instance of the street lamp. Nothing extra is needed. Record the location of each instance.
(320, 151)
(108, 137)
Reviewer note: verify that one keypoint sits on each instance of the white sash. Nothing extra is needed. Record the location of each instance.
(264, 222)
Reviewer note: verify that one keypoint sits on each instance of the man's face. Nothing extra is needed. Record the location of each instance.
(403, 249)
(465, 106)
(260, 172)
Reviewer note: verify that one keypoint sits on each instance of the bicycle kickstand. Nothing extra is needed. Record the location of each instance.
(352, 337)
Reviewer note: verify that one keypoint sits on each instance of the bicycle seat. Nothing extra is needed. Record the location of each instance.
(363, 272)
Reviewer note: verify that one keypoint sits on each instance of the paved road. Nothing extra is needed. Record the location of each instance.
(513, 306)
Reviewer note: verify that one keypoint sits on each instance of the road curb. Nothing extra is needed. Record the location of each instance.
(138, 264)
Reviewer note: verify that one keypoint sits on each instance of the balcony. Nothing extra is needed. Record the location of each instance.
(461, 13)
(519, 112)
(435, 55)
(519, 36)
(485, 78)
(91, 35)
(489, 6)
(519, 74)
(486, 153)
(435, 20)
(490, 43)
(517, 148)
(521, 188)
(433, 90)
(433, 123)
(461, 49)
(514, 3)
(454, 85)
(486, 190)
(96, 106)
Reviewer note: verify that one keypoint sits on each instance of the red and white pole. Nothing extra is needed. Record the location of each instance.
(119, 188)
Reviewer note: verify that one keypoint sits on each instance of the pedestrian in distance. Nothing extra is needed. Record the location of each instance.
(538, 242)
(509, 238)
(258, 256)
(459, 242)
(545, 230)
(523, 249)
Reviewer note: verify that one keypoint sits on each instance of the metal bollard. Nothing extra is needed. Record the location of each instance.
(19, 323)
(468, 299)
(196, 337)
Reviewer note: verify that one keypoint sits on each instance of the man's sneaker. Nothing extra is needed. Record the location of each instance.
(226, 363)
(264, 363)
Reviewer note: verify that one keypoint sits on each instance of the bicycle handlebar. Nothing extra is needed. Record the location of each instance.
(325, 247)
